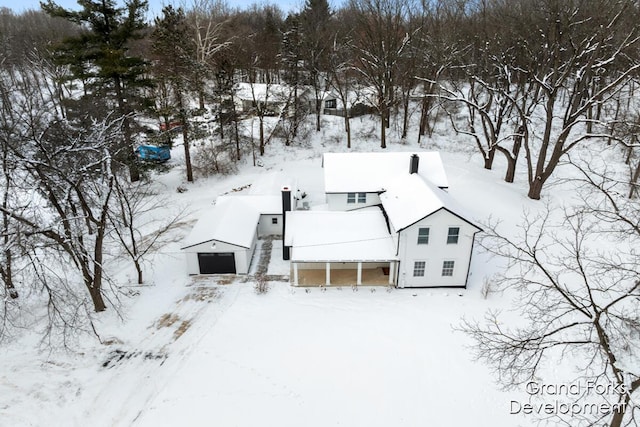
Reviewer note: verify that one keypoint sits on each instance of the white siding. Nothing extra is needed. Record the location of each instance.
(242, 255)
(435, 252)
(338, 201)
(266, 226)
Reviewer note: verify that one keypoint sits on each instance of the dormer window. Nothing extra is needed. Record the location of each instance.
(351, 198)
(362, 197)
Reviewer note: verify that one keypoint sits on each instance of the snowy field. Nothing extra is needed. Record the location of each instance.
(212, 352)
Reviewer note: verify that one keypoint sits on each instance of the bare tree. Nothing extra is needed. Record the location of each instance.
(316, 26)
(207, 19)
(578, 298)
(576, 62)
(134, 224)
(381, 38)
(488, 109)
(341, 75)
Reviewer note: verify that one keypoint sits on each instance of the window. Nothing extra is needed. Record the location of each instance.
(452, 237)
(418, 268)
(447, 268)
(362, 197)
(331, 103)
(351, 197)
(274, 220)
(423, 236)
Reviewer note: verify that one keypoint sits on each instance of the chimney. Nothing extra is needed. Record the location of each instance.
(286, 207)
(413, 166)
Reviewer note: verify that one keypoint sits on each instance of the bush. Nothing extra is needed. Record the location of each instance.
(211, 159)
(261, 286)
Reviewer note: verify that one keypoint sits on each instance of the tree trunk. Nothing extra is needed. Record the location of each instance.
(347, 127)
(237, 137)
(134, 170)
(7, 271)
(96, 297)
(318, 109)
(261, 124)
(139, 271)
(201, 99)
(185, 134)
(424, 115)
(405, 120)
(634, 181)
(488, 158)
(383, 133)
(535, 188)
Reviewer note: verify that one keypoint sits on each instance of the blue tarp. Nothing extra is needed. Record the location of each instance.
(152, 153)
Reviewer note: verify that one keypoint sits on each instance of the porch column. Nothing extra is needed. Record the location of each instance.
(328, 274)
(295, 274)
(359, 280)
(392, 267)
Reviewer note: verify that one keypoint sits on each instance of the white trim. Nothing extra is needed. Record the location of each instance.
(392, 267)
(328, 274)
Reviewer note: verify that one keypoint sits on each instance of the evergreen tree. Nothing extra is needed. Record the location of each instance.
(100, 55)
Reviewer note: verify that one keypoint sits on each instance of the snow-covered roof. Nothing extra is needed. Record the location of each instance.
(233, 219)
(276, 92)
(410, 198)
(338, 236)
(371, 172)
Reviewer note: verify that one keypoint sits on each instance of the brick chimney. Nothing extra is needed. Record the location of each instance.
(286, 207)
(413, 165)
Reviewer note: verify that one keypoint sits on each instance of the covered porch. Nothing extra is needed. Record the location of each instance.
(343, 273)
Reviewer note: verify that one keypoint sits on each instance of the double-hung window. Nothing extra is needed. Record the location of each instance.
(351, 198)
(447, 268)
(423, 236)
(418, 268)
(362, 197)
(452, 236)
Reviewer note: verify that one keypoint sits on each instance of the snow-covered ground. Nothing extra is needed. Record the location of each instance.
(211, 351)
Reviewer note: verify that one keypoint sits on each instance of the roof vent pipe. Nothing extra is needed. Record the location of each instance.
(413, 166)
(286, 207)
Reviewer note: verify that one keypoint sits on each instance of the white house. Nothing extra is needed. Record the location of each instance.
(356, 104)
(272, 97)
(395, 219)
(390, 222)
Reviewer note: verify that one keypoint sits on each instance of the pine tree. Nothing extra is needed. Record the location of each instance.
(100, 55)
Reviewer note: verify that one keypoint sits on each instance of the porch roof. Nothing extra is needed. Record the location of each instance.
(326, 236)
